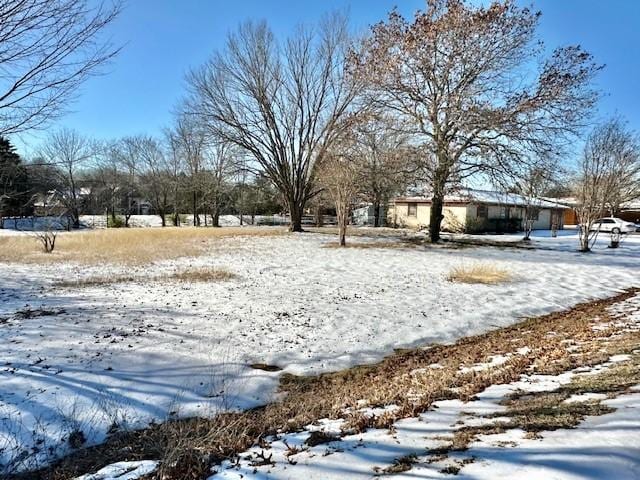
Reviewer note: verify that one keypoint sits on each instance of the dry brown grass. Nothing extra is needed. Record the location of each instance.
(207, 274)
(378, 244)
(97, 281)
(131, 246)
(479, 273)
(403, 379)
(363, 231)
(203, 275)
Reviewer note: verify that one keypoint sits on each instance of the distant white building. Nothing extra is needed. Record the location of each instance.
(366, 215)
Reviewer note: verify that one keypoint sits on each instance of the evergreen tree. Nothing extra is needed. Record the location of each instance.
(14, 181)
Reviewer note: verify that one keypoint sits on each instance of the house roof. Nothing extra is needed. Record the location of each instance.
(635, 205)
(573, 202)
(468, 195)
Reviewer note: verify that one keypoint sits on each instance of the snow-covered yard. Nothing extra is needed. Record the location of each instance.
(86, 358)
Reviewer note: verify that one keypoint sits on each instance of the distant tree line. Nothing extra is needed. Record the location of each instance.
(73, 176)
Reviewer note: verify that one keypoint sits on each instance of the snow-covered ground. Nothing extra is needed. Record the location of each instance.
(602, 447)
(129, 353)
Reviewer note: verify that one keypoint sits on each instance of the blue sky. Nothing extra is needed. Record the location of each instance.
(164, 38)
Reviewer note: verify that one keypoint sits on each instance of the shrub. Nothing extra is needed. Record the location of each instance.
(115, 222)
(493, 225)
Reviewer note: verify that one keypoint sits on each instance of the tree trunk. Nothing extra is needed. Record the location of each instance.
(319, 217)
(528, 227)
(76, 218)
(435, 219)
(376, 213)
(295, 211)
(342, 212)
(215, 214)
(342, 229)
(162, 219)
(196, 217)
(439, 186)
(584, 238)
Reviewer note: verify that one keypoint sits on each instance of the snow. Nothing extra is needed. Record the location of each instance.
(122, 471)
(465, 195)
(136, 352)
(602, 447)
(585, 397)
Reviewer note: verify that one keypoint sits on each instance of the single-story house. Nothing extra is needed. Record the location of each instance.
(569, 214)
(477, 211)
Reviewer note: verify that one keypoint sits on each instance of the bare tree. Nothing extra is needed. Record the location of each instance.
(538, 177)
(340, 175)
(625, 146)
(532, 209)
(69, 152)
(157, 174)
(47, 235)
(48, 48)
(188, 141)
(464, 80)
(281, 102)
(220, 162)
(384, 160)
(124, 153)
(609, 160)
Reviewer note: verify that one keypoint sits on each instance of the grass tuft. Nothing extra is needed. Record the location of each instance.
(479, 273)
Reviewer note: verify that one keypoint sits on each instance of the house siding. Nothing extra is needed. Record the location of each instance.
(457, 218)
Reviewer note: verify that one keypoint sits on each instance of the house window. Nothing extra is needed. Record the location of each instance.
(504, 212)
(482, 211)
(412, 209)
